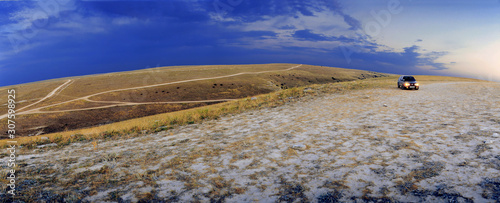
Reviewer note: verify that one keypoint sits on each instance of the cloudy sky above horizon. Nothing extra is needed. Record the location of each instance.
(59, 38)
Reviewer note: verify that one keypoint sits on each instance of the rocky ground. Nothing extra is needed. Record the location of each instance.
(438, 144)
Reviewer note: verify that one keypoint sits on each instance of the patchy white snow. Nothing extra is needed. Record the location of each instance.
(439, 143)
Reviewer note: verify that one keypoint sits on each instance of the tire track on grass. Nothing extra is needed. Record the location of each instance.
(87, 98)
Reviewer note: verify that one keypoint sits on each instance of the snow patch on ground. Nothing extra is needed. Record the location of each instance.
(440, 143)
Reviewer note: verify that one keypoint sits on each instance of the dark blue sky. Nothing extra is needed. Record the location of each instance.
(50, 39)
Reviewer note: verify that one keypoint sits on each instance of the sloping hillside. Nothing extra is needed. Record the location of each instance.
(79, 102)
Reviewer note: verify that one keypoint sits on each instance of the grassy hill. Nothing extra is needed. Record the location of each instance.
(94, 100)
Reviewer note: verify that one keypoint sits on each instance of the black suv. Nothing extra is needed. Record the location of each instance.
(408, 82)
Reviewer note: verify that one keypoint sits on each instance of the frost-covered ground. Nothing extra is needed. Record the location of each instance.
(438, 144)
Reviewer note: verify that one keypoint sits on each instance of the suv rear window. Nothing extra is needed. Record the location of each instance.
(409, 78)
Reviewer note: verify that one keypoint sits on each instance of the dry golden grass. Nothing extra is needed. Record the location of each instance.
(276, 77)
(224, 88)
(79, 104)
(135, 127)
(63, 121)
(148, 123)
(28, 93)
(90, 84)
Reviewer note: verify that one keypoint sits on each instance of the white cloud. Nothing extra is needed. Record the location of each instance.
(124, 20)
(325, 22)
(30, 22)
(39, 14)
(79, 24)
(55, 20)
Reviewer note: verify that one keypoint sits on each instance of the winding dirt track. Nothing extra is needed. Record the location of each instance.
(54, 92)
(118, 103)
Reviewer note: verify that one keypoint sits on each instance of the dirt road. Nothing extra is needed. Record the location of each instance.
(87, 98)
(56, 91)
(438, 144)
